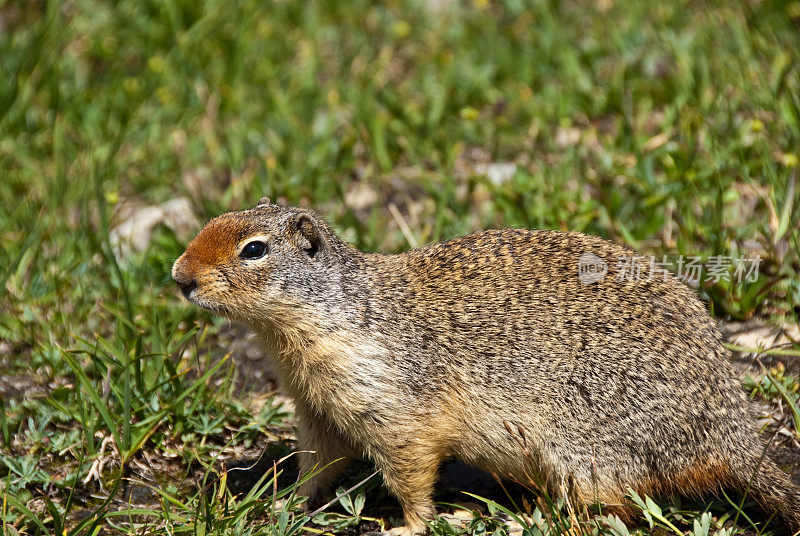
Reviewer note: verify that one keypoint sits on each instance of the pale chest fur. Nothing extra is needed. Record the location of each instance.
(342, 376)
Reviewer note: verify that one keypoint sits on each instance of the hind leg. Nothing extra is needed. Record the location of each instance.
(607, 502)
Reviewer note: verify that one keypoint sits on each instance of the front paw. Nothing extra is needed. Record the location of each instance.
(397, 531)
(313, 502)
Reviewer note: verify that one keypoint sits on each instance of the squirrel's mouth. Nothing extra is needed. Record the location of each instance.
(206, 304)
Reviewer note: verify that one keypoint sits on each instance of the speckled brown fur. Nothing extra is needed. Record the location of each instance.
(462, 348)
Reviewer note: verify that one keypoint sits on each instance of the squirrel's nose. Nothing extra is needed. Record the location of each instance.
(185, 281)
(187, 286)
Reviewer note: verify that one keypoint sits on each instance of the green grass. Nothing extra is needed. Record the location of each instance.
(671, 127)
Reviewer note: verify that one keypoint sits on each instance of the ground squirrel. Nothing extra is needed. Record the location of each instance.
(493, 348)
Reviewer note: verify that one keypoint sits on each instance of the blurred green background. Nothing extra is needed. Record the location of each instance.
(673, 127)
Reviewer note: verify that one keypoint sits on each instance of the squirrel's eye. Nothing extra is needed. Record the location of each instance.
(254, 250)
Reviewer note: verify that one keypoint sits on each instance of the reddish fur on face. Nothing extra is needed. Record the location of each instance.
(215, 243)
(213, 246)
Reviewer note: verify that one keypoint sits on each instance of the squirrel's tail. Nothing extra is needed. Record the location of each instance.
(770, 487)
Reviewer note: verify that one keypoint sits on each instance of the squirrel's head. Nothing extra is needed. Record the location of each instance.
(257, 264)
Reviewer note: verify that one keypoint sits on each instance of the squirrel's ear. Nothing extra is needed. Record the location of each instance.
(309, 239)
